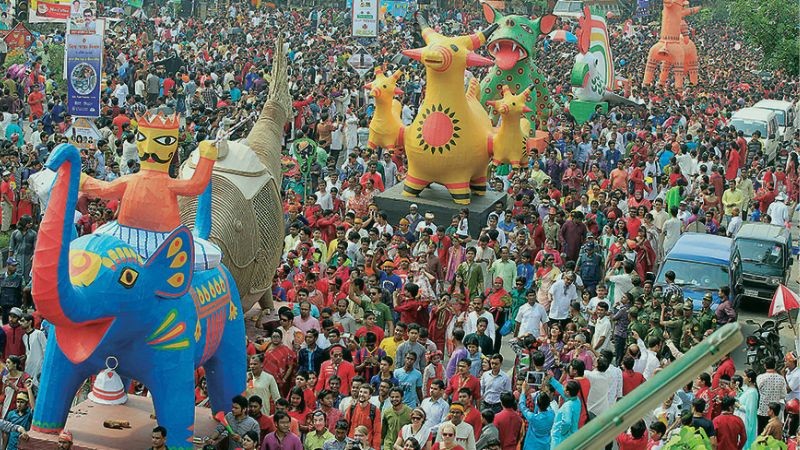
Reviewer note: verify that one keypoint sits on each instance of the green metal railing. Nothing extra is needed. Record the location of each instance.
(644, 399)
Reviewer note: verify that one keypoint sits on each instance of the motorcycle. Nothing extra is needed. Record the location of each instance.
(763, 342)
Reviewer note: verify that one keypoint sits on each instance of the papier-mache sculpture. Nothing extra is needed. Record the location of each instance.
(509, 143)
(513, 46)
(592, 77)
(448, 141)
(385, 127)
(671, 48)
(140, 291)
(247, 216)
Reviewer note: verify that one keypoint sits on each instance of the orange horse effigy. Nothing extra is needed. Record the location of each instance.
(385, 126)
(670, 50)
(689, 53)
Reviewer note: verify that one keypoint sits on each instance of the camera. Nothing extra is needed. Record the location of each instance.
(534, 379)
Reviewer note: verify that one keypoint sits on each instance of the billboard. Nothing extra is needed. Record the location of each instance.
(84, 65)
(365, 18)
(49, 11)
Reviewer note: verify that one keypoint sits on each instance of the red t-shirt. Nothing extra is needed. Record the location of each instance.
(631, 380)
(627, 442)
(730, 431)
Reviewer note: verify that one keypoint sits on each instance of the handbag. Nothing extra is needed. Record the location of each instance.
(507, 328)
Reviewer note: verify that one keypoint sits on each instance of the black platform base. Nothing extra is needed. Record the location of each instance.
(437, 200)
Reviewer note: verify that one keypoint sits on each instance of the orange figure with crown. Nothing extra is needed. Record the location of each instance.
(148, 210)
(448, 142)
(385, 126)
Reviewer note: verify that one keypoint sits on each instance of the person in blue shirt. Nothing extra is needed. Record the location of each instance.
(21, 416)
(409, 380)
(388, 280)
(565, 423)
(540, 420)
(665, 156)
(236, 93)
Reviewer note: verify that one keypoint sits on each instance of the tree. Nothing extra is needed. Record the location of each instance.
(772, 26)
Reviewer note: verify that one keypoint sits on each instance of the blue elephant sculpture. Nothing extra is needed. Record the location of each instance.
(157, 316)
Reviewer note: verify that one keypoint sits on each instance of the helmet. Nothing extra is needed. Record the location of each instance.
(793, 406)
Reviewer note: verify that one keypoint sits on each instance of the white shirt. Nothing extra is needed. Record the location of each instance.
(562, 297)
(597, 400)
(650, 359)
(622, 284)
(793, 381)
(530, 319)
(734, 225)
(603, 328)
(779, 213)
(615, 389)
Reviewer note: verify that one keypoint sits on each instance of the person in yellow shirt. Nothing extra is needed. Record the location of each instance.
(732, 198)
(389, 344)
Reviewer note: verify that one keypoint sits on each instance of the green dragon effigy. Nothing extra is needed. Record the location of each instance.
(513, 46)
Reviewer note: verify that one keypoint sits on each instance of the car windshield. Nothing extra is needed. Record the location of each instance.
(695, 274)
(748, 127)
(761, 257)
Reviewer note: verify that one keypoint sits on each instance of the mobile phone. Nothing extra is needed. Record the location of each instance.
(534, 379)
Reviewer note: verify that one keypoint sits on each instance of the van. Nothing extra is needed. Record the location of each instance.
(750, 120)
(766, 255)
(786, 114)
(702, 264)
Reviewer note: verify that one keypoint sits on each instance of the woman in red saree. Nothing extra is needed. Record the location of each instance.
(280, 361)
(441, 315)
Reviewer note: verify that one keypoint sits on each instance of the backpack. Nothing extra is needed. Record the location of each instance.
(373, 411)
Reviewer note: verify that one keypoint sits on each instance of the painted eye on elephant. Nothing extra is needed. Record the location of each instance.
(526, 28)
(140, 137)
(166, 140)
(128, 277)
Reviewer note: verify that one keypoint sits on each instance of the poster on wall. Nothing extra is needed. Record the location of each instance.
(49, 11)
(84, 65)
(365, 18)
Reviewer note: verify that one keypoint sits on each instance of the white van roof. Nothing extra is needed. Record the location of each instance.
(773, 104)
(759, 114)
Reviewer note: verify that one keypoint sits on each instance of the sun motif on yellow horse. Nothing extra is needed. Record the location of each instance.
(438, 129)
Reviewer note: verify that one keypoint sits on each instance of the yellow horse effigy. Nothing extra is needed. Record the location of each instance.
(449, 141)
(509, 143)
(385, 128)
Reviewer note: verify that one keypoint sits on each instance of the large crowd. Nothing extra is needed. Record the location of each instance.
(390, 335)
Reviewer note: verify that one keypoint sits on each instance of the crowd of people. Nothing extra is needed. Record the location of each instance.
(390, 335)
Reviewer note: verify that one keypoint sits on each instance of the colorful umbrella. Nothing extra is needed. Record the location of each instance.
(562, 36)
(784, 300)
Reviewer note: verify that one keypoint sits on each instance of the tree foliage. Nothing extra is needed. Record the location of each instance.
(771, 25)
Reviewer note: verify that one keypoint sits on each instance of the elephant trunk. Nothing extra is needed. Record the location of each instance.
(52, 288)
(267, 134)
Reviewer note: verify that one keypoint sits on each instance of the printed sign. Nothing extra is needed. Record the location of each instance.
(19, 37)
(83, 134)
(84, 63)
(49, 11)
(83, 17)
(365, 18)
(361, 61)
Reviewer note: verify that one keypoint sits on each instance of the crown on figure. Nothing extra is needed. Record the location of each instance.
(161, 121)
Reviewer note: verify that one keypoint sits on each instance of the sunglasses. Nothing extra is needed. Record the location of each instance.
(416, 418)
(448, 434)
